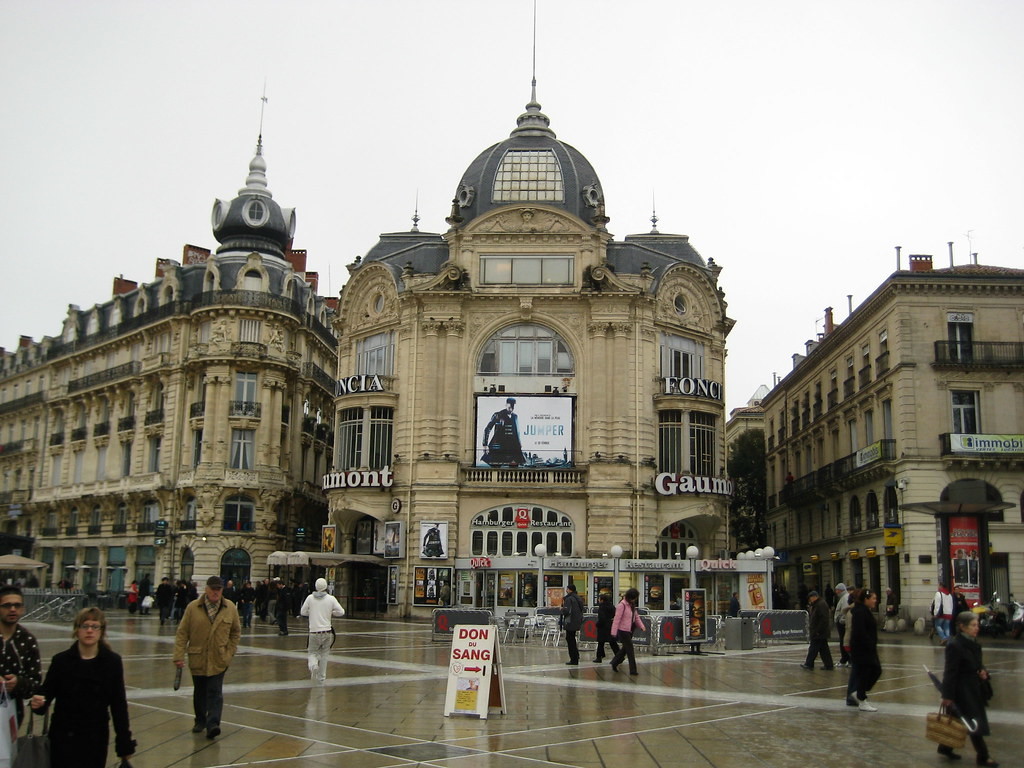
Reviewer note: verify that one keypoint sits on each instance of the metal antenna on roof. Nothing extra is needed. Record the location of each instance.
(533, 91)
(416, 214)
(654, 216)
(263, 106)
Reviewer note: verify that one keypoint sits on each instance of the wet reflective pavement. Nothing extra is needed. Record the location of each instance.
(383, 705)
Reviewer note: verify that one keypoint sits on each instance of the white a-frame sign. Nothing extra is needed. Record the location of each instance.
(475, 684)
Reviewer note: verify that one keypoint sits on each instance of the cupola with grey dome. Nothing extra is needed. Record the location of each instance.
(530, 167)
(253, 221)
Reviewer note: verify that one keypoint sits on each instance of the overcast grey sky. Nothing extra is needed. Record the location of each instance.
(796, 143)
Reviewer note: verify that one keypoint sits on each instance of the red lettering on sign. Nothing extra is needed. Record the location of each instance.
(590, 629)
(471, 654)
(442, 622)
(480, 562)
(766, 627)
(668, 631)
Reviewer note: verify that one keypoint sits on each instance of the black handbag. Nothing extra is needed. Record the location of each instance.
(33, 749)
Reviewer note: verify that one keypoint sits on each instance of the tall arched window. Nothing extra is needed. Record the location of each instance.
(871, 510)
(855, 521)
(526, 350)
(239, 512)
(235, 565)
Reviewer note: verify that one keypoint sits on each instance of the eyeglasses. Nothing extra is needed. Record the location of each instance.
(11, 606)
(91, 627)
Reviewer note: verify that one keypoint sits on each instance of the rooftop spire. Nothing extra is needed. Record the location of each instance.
(654, 217)
(256, 181)
(533, 122)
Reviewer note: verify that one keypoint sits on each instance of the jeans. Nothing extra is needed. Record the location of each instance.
(319, 648)
(942, 628)
(208, 699)
(246, 611)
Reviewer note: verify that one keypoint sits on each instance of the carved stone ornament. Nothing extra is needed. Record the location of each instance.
(529, 220)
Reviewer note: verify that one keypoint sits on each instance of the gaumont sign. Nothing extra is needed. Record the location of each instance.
(360, 383)
(360, 478)
(668, 484)
(678, 385)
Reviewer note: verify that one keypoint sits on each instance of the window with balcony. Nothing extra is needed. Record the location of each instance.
(960, 332)
(154, 453)
(375, 355)
(965, 412)
(526, 350)
(243, 448)
(250, 331)
(681, 357)
(364, 438)
(239, 514)
(126, 458)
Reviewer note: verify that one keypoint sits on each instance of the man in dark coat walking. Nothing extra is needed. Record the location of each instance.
(572, 620)
(820, 625)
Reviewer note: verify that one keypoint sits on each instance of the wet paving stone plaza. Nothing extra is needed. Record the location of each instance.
(384, 699)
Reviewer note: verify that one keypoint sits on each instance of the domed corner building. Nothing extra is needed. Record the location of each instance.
(523, 395)
(177, 430)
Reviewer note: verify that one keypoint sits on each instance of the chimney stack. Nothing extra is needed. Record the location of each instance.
(122, 286)
(950, 244)
(898, 267)
(920, 263)
(830, 323)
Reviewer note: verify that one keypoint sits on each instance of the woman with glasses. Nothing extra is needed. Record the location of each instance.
(87, 683)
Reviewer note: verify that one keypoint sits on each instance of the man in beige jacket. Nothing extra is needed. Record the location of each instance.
(208, 633)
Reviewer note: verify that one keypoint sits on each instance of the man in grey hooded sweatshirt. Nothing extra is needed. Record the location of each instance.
(320, 607)
(841, 613)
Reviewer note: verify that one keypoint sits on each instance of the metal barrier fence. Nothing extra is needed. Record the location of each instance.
(780, 626)
(445, 620)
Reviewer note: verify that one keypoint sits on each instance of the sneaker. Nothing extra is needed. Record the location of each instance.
(866, 706)
(809, 669)
(842, 664)
(213, 733)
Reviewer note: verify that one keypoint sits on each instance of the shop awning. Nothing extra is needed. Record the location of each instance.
(956, 507)
(19, 563)
(277, 558)
(334, 558)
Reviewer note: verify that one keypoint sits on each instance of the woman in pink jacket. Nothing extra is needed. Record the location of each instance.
(627, 618)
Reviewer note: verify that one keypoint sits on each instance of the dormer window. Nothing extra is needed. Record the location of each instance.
(256, 213)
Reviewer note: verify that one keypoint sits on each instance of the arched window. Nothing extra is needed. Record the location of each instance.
(253, 281)
(239, 512)
(891, 505)
(673, 540)
(855, 521)
(516, 531)
(235, 565)
(871, 508)
(526, 350)
(188, 563)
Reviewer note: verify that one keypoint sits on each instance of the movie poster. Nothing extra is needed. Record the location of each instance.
(434, 541)
(328, 538)
(393, 539)
(965, 566)
(524, 431)
(392, 585)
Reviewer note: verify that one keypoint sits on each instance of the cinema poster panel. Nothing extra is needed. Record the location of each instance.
(524, 430)
(393, 539)
(434, 541)
(432, 586)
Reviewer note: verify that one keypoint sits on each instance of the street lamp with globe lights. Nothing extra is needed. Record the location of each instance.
(540, 551)
(692, 553)
(616, 553)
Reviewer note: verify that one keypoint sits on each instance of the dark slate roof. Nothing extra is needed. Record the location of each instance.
(426, 251)
(659, 251)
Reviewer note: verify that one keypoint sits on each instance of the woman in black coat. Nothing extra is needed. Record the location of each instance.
(86, 681)
(965, 684)
(863, 640)
(605, 617)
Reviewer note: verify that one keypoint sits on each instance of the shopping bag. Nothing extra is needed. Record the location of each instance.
(34, 748)
(944, 729)
(8, 729)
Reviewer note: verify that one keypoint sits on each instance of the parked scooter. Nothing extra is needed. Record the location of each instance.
(992, 618)
(1016, 618)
